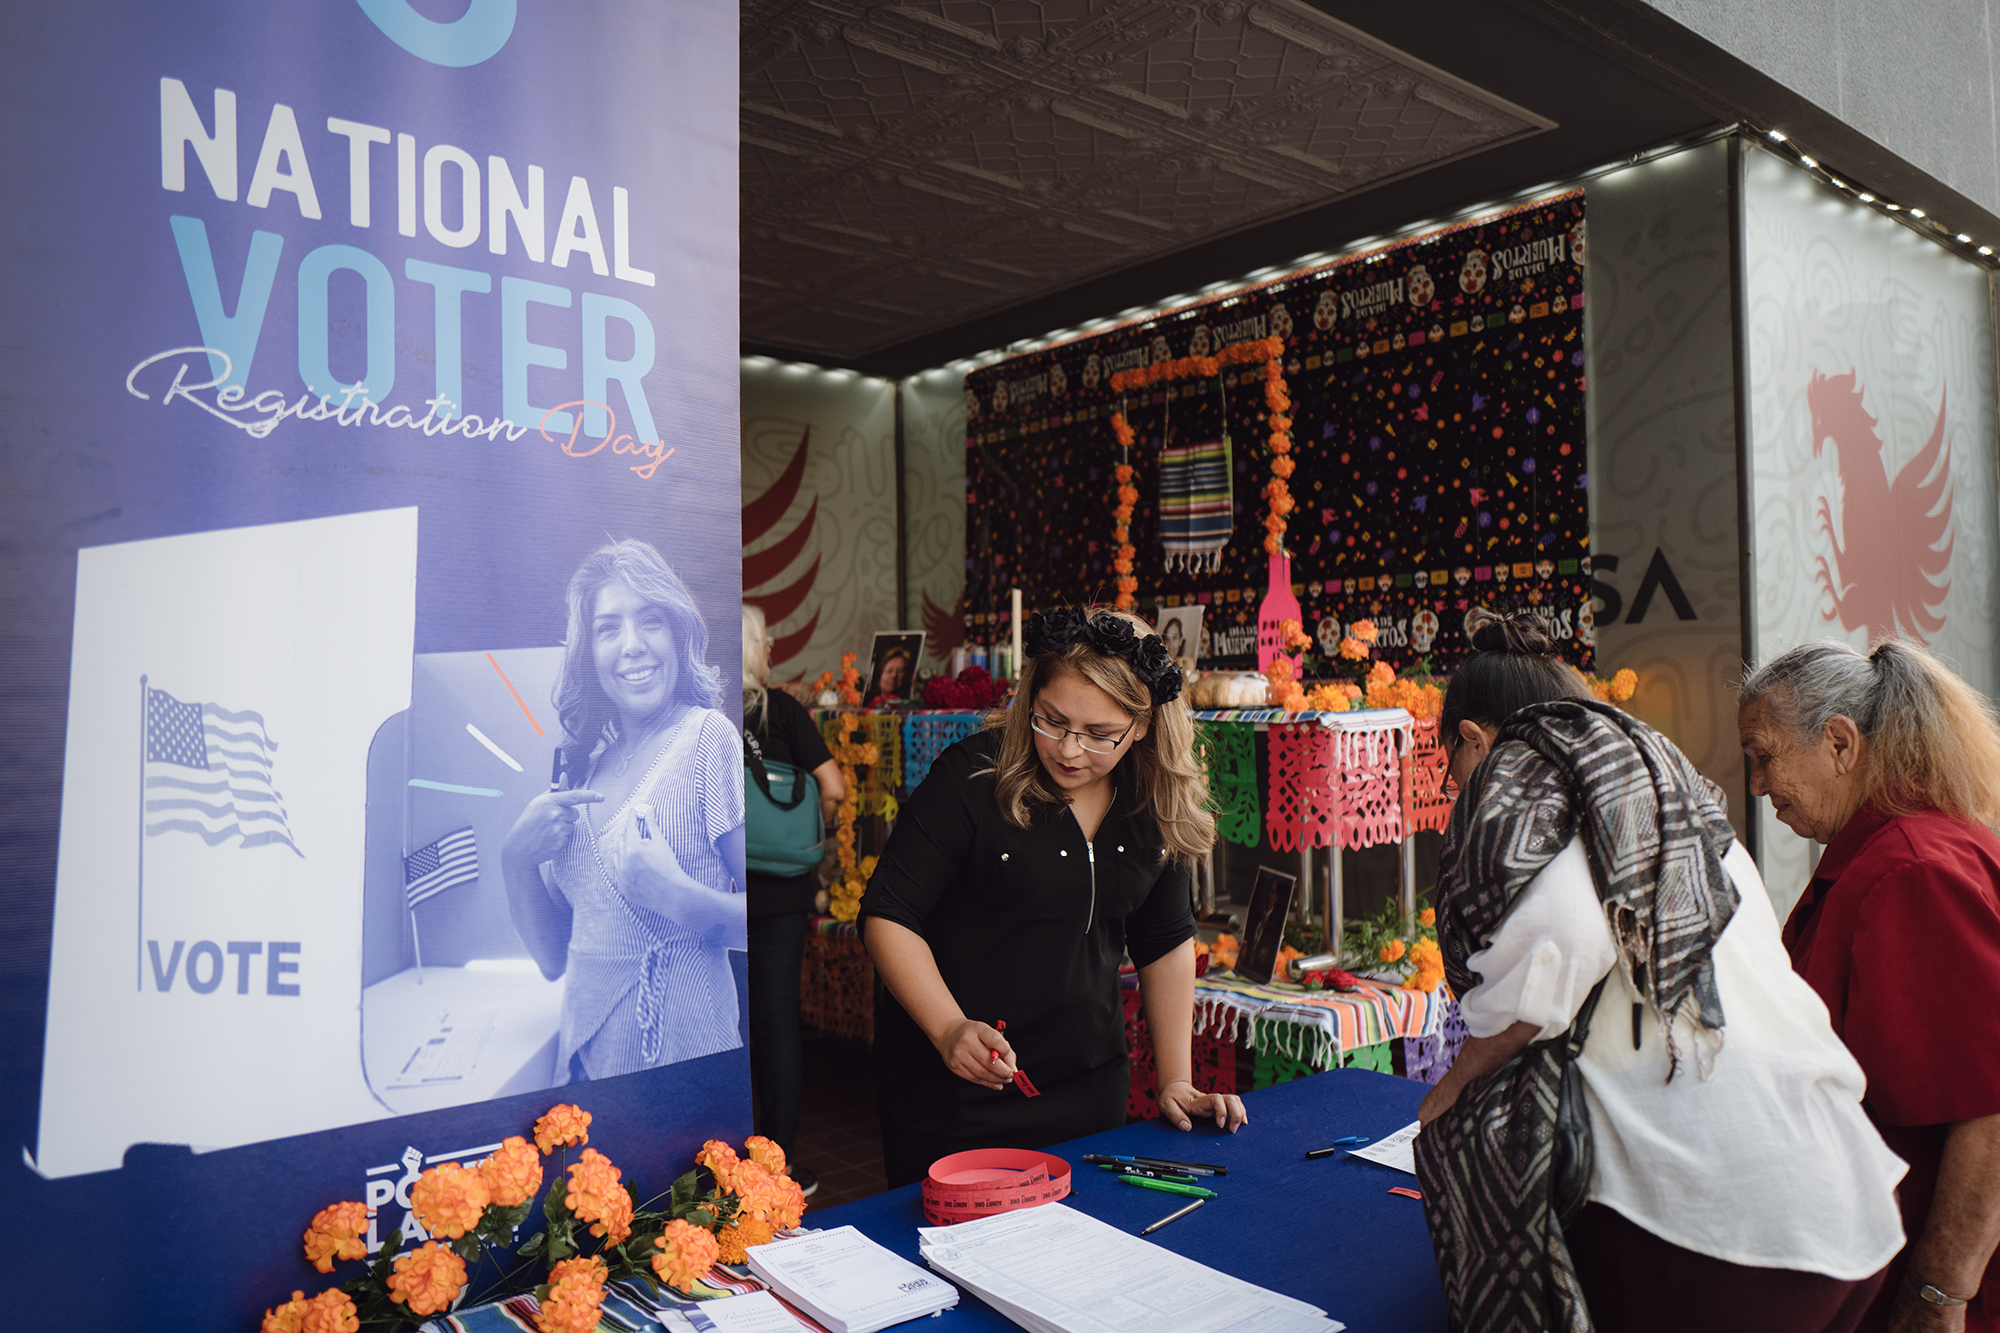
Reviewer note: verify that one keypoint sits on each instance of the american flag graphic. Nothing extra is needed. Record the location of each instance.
(208, 773)
(451, 860)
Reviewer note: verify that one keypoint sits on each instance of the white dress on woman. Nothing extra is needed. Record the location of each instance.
(1770, 1161)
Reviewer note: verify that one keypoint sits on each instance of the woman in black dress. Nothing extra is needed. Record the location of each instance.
(1033, 858)
(780, 908)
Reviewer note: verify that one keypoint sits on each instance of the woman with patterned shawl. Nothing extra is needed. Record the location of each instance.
(1597, 914)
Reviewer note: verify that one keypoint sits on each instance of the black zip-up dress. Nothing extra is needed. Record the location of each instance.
(1027, 925)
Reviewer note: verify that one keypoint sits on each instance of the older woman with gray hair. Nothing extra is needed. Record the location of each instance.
(1892, 763)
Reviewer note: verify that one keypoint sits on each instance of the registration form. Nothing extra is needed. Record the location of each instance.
(1052, 1269)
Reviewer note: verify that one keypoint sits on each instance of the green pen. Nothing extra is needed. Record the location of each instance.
(1171, 1187)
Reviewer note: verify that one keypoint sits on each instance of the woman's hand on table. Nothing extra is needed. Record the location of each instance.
(1180, 1103)
(544, 827)
(968, 1049)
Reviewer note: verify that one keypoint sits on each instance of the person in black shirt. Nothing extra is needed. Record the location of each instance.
(1033, 858)
(779, 909)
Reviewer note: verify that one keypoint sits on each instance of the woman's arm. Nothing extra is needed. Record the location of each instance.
(1961, 1232)
(1166, 988)
(909, 969)
(1479, 1056)
(832, 789)
(541, 916)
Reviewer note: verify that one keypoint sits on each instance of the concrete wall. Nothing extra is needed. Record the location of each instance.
(1918, 77)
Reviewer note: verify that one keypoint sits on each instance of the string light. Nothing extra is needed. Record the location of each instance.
(1809, 164)
(1867, 198)
(1915, 212)
(1964, 239)
(1777, 135)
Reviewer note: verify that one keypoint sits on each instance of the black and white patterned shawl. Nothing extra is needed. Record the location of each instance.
(1654, 831)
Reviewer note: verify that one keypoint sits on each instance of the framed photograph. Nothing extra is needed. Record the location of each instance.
(892, 665)
(1180, 631)
(1264, 924)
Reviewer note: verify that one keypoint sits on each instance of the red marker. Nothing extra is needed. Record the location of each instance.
(1020, 1079)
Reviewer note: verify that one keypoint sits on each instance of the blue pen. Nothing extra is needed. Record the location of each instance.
(1351, 1141)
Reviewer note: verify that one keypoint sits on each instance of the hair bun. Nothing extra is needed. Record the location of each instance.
(1520, 632)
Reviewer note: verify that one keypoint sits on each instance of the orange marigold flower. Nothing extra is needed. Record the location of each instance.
(764, 1152)
(687, 1253)
(1364, 630)
(563, 1126)
(332, 1311)
(791, 1204)
(1427, 917)
(1272, 545)
(1282, 466)
(734, 1241)
(1353, 649)
(1393, 950)
(1381, 674)
(448, 1199)
(576, 1297)
(596, 1196)
(1128, 584)
(512, 1172)
(1624, 684)
(287, 1318)
(1223, 952)
(1123, 472)
(428, 1279)
(1423, 980)
(1427, 956)
(335, 1234)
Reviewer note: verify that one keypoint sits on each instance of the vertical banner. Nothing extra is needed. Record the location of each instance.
(368, 425)
(1872, 441)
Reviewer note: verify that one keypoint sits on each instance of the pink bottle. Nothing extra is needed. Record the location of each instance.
(1279, 605)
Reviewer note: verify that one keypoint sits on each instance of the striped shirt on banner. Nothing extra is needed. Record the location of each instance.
(208, 773)
(451, 860)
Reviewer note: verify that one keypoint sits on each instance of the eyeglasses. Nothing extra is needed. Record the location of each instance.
(1092, 744)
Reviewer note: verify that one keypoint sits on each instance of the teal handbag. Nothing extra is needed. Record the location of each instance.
(782, 831)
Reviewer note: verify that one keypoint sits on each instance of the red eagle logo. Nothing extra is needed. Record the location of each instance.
(1893, 544)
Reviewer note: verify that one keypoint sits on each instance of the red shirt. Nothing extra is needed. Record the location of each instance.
(1899, 932)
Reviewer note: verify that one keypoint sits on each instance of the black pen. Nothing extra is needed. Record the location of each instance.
(1150, 1173)
(1157, 1164)
(1168, 1164)
(1174, 1216)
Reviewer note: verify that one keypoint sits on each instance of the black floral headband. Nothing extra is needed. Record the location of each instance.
(1053, 633)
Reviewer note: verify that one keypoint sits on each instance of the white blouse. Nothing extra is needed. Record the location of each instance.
(1770, 1162)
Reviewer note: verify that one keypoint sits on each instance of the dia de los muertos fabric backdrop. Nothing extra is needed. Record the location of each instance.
(1438, 420)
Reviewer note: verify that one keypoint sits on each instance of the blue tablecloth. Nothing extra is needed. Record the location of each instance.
(1325, 1231)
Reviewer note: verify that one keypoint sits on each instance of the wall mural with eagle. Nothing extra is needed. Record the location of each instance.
(1872, 435)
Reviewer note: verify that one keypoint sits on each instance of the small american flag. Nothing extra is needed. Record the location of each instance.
(451, 860)
(208, 772)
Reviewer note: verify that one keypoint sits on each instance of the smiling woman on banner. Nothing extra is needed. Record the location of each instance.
(625, 880)
(1034, 857)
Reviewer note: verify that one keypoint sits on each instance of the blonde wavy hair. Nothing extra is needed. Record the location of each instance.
(1933, 741)
(1173, 787)
(756, 666)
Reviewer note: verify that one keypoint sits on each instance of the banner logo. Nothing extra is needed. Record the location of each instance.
(474, 36)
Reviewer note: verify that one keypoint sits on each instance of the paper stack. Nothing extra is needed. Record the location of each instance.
(848, 1282)
(1054, 1270)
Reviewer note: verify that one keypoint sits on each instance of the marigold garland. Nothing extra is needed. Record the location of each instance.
(1277, 399)
(851, 755)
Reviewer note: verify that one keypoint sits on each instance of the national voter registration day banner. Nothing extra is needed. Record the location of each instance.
(342, 334)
